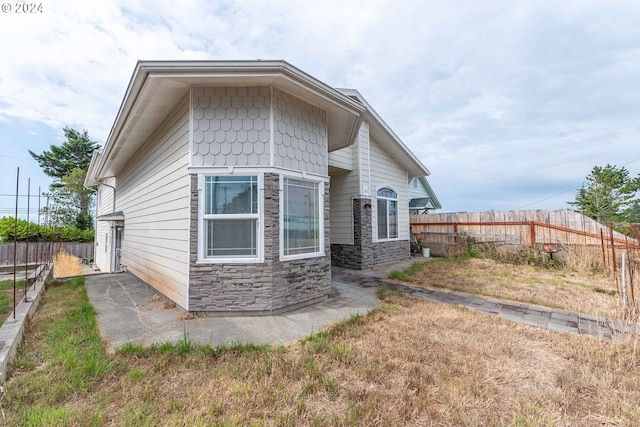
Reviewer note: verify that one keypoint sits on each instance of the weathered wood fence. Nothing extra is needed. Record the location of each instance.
(529, 227)
(42, 250)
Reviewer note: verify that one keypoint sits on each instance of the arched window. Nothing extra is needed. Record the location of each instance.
(387, 213)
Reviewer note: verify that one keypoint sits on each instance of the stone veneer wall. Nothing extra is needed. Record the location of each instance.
(364, 253)
(272, 285)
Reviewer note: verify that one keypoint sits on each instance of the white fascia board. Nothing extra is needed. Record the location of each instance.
(232, 70)
(434, 198)
(90, 178)
(136, 83)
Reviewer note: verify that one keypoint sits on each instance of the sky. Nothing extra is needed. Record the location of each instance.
(509, 104)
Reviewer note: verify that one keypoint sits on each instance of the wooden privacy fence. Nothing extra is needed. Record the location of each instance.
(42, 250)
(530, 227)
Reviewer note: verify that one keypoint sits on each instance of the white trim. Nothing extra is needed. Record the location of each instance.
(321, 229)
(259, 258)
(375, 215)
(272, 142)
(191, 147)
(255, 170)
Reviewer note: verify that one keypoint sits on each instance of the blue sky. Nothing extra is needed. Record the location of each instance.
(508, 104)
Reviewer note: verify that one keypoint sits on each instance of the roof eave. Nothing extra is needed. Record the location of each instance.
(90, 178)
(151, 80)
(434, 198)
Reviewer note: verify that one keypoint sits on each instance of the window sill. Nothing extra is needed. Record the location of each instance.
(301, 256)
(230, 261)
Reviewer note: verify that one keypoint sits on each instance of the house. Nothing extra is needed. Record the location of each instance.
(422, 198)
(232, 186)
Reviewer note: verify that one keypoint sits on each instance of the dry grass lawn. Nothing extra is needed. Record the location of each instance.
(66, 265)
(555, 288)
(409, 363)
(412, 363)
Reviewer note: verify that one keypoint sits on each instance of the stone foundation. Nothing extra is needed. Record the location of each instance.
(258, 288)
(364, 253)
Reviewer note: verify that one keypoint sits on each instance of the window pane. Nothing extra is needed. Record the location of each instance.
(301, 217)
(231, 195)
(382, 219)
(231, 237)
(393, 219)
(387, 192)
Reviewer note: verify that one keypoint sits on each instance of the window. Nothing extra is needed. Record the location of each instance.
(387, 214)
(230, 217)
(301, 217)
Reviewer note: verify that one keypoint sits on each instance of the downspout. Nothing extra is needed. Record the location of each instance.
(114, 193)
(112, 267)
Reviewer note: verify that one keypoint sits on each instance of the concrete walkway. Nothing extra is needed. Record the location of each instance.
(131, 311)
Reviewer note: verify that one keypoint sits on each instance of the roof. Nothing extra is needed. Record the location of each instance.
(113, 216)
(156, 89)
(421, 203)
(389, 140)
(429, 191)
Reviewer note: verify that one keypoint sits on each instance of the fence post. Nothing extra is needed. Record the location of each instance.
(532, 232)
(604, 256)
(613, 259)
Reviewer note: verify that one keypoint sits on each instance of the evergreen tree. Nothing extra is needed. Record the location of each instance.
(609, 194)
(67, 164)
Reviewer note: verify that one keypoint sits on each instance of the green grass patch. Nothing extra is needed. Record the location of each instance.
(399, 275)
(406, 274)
(605, 291)
(8, 284)
(384, 292)
(6, 294)
(70, 358)
(185, 346)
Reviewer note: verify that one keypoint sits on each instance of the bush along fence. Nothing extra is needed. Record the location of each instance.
(548, 232)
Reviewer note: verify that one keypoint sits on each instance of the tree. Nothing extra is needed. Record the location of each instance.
(609, 194)
(76, 199)
(74, 153)
(67, 164)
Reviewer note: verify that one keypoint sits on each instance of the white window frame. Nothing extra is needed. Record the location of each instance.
(259, 217)
(320, 202)
(387, 200)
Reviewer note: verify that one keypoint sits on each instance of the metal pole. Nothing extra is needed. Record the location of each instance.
(26, 248)
(38, 254)
(15, 243)
(48, 221)
(613, 259)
